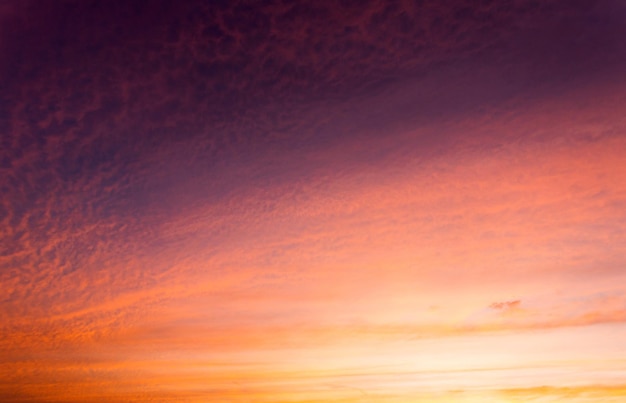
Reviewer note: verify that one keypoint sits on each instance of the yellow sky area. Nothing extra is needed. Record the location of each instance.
(498, 367)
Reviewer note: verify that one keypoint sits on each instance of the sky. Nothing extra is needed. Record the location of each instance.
(298, 201)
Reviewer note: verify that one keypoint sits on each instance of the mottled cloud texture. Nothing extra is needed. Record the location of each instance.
(298, 201)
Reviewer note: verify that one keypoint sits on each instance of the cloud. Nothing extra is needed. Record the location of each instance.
(606, 393)
(505, 305)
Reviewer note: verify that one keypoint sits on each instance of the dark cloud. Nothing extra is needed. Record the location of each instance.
(192, 67)
(113, 112)
(99, 98)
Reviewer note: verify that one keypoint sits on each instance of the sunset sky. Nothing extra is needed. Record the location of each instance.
(303, 201)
